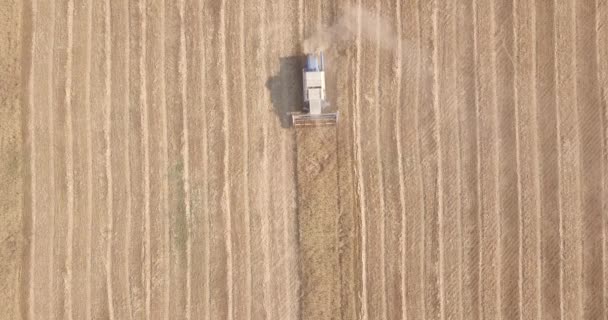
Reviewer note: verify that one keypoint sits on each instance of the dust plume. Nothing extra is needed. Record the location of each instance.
(373, 28)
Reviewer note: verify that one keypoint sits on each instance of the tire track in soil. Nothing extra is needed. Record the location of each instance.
(238, 149)
(590, 126)
(100, 303)
(59, 169)
(178, 220)
(219, 264)
(548, 170)
(119, 159)
(488, 165)
(468, 136)
(138, 245)
(570, 223)
(449, 154)
(527, 128)
(195, 103)
(507, 162)
(80, 103)
(157, 148)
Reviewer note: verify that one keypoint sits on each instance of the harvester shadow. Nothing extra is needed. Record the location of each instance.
(286, 89)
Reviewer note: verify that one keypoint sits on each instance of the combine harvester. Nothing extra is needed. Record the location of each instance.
(314, 95)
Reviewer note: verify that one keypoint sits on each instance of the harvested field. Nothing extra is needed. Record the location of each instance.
(149, 170)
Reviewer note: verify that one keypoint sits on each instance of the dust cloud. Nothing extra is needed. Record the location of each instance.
(373, 28)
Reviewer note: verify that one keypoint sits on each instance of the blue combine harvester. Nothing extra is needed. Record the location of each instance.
(313, 76)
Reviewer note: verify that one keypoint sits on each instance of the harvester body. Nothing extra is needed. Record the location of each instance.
(313, 80)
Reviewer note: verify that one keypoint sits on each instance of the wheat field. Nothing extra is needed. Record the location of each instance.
(148, 168)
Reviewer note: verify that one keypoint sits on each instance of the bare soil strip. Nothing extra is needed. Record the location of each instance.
(158, 253)
(548, 171)
(569, 184)
(137, 245)
(410, 143)
(488, 162)
(602, 55)
(220, 273)
(80, 90)
(450, 215)
(14, 166)
(176, 136)
(508, 166)
(99, 148)
(349, 239)
(43, 207)
(591, 133)
(120, 166)
(197, 155)
(527, 128)
(59, 155)
(255, 77)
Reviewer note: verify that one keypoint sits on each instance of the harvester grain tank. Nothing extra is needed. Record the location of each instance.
(315, 103)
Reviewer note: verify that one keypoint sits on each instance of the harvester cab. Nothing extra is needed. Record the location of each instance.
(313, 76)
